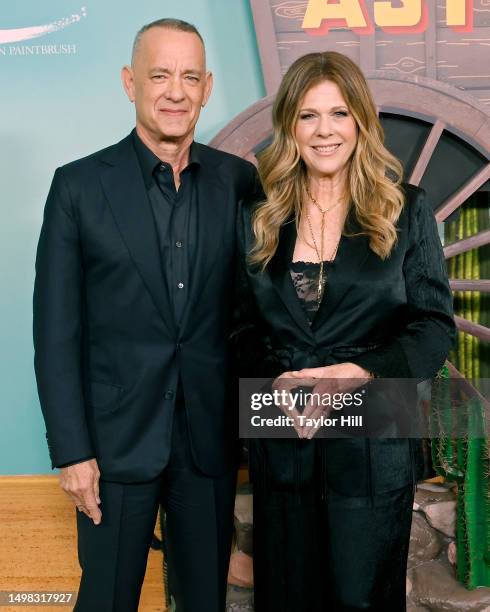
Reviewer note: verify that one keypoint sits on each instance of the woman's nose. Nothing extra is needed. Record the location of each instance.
(324, 127)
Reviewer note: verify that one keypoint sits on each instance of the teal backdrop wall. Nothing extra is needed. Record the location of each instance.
(60, 99)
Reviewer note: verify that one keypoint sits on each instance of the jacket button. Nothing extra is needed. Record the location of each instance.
(169, 394)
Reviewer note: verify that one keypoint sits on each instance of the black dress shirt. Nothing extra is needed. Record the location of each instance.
(175, 214)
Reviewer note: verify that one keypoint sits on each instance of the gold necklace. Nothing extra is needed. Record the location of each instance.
(319, 252)
(315, 202)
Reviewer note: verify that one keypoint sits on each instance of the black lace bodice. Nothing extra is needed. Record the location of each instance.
(304, 275)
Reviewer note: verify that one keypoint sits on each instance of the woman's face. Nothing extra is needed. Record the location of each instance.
(325, 132)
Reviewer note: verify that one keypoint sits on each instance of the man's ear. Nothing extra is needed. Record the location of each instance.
(127, 78)
(208, 87)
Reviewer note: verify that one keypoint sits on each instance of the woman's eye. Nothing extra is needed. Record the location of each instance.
(341, 113)
(306, 115)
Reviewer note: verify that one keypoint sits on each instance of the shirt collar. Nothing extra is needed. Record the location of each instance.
(148, 161)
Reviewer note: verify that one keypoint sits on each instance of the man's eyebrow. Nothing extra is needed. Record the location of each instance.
(161, 70)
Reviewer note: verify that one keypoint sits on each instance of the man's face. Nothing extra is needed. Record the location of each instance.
(168, 83)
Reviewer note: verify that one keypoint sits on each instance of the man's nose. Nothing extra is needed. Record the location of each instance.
(174, 91)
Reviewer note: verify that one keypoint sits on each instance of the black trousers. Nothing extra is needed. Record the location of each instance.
(199, 515)
(336, 554)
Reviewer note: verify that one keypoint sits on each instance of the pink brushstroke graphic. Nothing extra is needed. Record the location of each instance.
(19, 34)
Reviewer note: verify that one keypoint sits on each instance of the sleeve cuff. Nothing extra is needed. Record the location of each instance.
(385, 362)
(74, 462)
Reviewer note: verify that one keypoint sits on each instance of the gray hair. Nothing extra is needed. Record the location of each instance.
(169, 24)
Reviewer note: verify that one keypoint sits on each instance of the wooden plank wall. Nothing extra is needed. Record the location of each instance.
(38, 543)
(461, 59)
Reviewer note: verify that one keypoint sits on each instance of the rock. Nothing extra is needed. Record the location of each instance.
(244, 520)
(430, 493)
(408, 586)
(244, 509)
(244, 537)
(451, 553)
(442, 516)
(425, 542)
(239, 599)
(240, 572)
(246, 488)
(436, 487)
(436, 588)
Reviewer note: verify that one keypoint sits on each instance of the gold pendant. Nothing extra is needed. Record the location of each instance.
(320, 279)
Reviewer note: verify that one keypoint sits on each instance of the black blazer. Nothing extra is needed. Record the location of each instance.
(392, 317)
(108, 354)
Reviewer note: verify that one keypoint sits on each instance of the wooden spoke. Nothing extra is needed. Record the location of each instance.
(463, 194)
(474, 329)
(462, 246)
(247, 130)
(251, 158)
(427, 152)
(470, 285)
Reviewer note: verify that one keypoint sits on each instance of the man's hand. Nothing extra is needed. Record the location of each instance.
(81, 483)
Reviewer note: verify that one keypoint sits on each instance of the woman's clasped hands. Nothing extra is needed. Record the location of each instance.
(322, 382)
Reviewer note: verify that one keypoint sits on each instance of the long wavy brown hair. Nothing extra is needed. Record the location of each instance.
(374, 175)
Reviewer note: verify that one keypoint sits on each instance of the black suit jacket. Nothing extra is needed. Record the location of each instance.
(108, 354)
(392, 317)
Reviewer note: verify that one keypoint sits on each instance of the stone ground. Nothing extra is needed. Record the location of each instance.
(431, 582)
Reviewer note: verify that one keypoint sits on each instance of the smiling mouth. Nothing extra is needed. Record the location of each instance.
(172, 111)
(326, 148)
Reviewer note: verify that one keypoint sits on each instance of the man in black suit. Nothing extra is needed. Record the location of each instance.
(132, 307)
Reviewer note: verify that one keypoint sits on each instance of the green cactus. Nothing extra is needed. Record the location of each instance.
(466, 460)
(443, 421)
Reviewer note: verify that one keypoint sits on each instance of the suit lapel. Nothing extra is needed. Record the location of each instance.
(125, 191)
(212, 202)
(351, 257)
(341, 277)
(280, 276)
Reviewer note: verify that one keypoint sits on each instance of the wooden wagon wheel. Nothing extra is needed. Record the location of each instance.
(442, 137)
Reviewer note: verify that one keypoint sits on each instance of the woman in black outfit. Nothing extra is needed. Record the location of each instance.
(343, 278)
